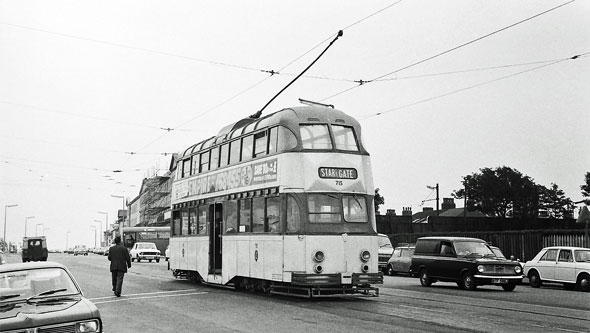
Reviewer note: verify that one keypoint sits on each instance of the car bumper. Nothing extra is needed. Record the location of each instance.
(499, 280)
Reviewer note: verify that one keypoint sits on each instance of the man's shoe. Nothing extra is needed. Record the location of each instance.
(118, 294)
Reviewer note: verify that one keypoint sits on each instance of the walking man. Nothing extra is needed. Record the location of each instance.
(120, 261)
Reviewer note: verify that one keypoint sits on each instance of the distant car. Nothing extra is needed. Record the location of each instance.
(144, 251)
(3, 259)
(80, 250)
(34, 249)
(467, 261)
(167, 253)
(385, 251)
(400, 260)
(560, 264)
(44, 297)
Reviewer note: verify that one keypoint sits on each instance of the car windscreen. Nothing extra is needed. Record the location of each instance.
(470, 248)
(22, 284)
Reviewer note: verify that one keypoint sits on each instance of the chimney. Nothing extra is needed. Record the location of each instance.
(427, 209)
(407, 211)
(448, 203)
(391, 212)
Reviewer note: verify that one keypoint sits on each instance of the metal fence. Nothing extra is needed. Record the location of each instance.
(522, 244)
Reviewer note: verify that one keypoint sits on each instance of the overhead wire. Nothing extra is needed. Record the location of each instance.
(449, 50)
(470, 87)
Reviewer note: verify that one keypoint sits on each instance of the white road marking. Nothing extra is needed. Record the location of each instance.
(156, 294)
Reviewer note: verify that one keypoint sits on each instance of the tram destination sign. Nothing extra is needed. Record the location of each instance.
(337, 173)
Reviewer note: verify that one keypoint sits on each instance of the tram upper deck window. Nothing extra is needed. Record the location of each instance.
(260, 143)
(355, 208)
(344, 138)
(324, 208)
(214, 158)
(186, 167)
(247, 147)
(234, 151)
(204, 166)
(315, 136)
(224, 155)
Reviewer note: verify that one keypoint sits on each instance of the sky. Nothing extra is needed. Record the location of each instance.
(96, 95)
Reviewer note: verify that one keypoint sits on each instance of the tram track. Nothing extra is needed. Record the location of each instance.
(455, 312)
(512, 306)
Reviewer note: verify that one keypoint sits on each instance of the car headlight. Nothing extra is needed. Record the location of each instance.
(365, 255)
(88, 326)
(480, 268)
(319, 256)
(517, 269)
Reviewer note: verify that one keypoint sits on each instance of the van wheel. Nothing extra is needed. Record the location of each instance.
(509, 286)
(425, 278)
(468, 281)
(138, 260)
(157, 260)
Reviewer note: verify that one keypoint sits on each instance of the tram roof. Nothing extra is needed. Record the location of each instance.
(286, 116)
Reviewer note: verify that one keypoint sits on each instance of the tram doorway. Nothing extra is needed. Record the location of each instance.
(215, 227)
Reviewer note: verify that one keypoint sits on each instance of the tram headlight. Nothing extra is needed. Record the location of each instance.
(318, 268)
(517, 269)
(319, 256)
(364, 268)
(365, 255)
(480, 268)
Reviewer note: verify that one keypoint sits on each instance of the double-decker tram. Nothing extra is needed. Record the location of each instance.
(281, 203)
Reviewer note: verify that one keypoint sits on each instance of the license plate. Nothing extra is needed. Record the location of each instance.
(500, 281)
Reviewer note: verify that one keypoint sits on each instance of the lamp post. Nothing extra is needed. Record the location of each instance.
(106, 225)
(435, 188)
(37, 226)
(5, 209)
(93, 227)
(27, 220)
(99, 235)
(124, 208)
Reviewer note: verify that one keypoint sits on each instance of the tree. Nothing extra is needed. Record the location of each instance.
(495, 192)
(553, 200)
(379, 200)
(586, 189)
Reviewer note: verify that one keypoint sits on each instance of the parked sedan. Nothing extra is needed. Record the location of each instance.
(400, 260)
(44, 297)
(560, 264)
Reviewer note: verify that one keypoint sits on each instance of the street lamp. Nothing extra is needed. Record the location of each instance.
(106, 224)
(5, 209)
(26, 220)
(93, 227)
(124, 208)
(37, 226)
(100, 235)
